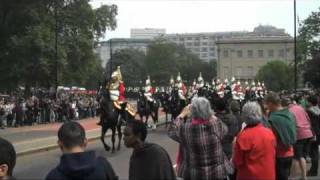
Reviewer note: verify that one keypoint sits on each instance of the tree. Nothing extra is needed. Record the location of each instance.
(27, 48)
(132, 63)
(312, 71)
(165, 59)
(277, 75)
(309, 48)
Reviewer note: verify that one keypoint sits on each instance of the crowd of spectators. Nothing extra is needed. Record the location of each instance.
(270, 139)
(17, 111)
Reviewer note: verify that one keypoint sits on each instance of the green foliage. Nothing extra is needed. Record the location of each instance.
(27, 36)
(132, 65)
(166, 59)
(312, 71)
(309, 48)
(277, 76)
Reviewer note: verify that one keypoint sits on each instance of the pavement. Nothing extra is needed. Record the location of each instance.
(31, 139)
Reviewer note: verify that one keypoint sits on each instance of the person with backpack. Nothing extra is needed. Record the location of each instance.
(314, 115)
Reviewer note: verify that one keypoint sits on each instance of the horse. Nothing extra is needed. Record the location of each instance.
(165, 103)
(176, 104)
(146, 108)
(111, 118)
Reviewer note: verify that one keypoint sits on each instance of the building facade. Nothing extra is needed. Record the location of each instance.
(146, 33)
(106, 48)
(204, 45)
(243, 57)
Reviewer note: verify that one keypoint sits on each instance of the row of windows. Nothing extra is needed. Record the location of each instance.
(240, 71)
(261, 53)
(198, 44)
(193, 38)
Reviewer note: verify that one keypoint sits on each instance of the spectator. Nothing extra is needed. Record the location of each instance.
(7, 159)
(148, 161)
(254, 151)
(304, 136)
(201, 138)
(232, 124)
(283, 126)
(314, 114)
(235, 110)
(75, 163)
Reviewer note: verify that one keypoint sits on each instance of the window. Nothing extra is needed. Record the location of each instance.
(197, 38)
(181, 39)
(212, 49)
(239, 53)
(226, 71)
(196, 44)
(212, 38)
(204, 49)
(250, 53)
(189, 49)
(204, 55)
(270, 53)
(189, 38)
(260, 53)
(225, 53)
(212, 54)
(195, 49)
(189, 44)
(239, 71)
(281, 53)
(174, 38)
(204, 37)
(204, 43)
(250, 71)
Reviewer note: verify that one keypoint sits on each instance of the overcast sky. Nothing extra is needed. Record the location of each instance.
(205, 16)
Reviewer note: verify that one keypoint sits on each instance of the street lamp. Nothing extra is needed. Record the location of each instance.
(110, 47)
(295, 47)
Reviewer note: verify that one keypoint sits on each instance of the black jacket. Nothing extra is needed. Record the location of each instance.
(82, 166)
(151, 162)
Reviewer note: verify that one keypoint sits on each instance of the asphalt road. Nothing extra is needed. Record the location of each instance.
(36, 166)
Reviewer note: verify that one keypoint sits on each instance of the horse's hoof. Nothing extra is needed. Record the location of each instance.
(107, 148)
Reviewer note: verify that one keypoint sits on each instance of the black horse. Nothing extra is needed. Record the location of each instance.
(146, 108)
(164, 99)
(111, 118)
(176, 104)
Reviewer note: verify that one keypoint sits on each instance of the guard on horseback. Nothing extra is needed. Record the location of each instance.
(116, 90)
(181, 88)
(149, 91)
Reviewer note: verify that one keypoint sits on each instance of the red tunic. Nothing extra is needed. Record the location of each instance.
(121, 91)
(254, 153)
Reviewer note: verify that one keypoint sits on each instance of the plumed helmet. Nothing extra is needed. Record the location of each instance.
(171, 80)
(233, 79)
(179, 77)
(200, 79)
(148, 81)
(117, 74)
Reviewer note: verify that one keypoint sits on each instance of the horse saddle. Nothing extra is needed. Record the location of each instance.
(129, 107)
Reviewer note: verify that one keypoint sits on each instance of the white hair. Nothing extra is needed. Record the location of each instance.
(252, 113)
(200, 108)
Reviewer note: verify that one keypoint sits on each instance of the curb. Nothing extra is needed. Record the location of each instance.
(54, 145)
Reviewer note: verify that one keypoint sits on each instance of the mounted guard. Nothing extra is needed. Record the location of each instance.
(181, 88)
(149, 91)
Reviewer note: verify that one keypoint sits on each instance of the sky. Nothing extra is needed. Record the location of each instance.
(193, 16)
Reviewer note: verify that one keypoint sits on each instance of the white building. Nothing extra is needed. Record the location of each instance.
(204, 44)
(146, 33)
(117, 44)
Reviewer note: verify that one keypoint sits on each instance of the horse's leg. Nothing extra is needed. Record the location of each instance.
(113, 138)
(103, 132)
(119, 136)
